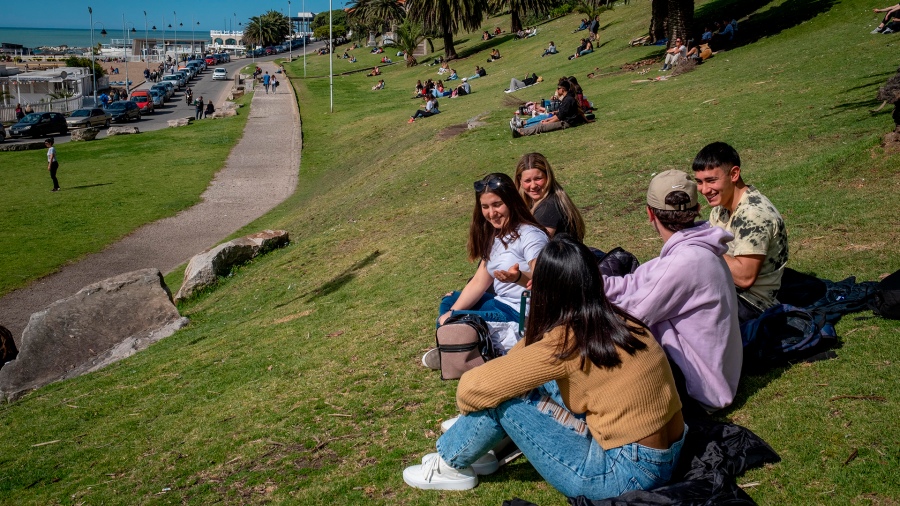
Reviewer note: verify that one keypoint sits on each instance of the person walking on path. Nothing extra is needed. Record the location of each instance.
(274, 84)
(266, 80)
(52, 164)
(199, 108)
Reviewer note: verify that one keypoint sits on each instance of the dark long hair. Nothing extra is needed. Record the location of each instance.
(568, 292)
(482, 233)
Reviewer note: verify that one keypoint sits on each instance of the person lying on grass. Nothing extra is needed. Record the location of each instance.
(505, 239)
(686, 296)
(515, 84)
(587, 395)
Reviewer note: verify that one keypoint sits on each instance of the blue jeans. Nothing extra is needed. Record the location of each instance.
(487, 307)
(559, 445)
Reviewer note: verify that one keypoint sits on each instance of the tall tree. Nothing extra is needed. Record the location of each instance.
(519, 9)
(374, 15)
(271, 28)
(447, 17)
(670, 19)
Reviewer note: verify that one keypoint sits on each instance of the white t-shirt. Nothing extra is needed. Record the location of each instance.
(51, 154)
(521, 251)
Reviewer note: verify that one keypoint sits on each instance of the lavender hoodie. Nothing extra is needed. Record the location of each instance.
(687, 298)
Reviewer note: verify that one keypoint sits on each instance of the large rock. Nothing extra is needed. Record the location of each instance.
(84, 134)
(103, 322)
(203, 269)
(226, 113)
(180, 122)
(122, 130)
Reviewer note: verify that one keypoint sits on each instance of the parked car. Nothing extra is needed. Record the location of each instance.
(220, 74)
(196, 66)
(88, 117)
(210, 60)
(124, 110)
(166, 87)
(143, 100)
(175, 79)
(158, 96)
(38, 124)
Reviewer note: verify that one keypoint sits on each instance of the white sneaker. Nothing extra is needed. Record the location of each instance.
(446, 424)
(487, 464)
(432, 359)
(876, 30)
(887, 31)
(435, 474)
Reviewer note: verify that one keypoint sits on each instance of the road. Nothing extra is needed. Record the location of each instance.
(201, 85)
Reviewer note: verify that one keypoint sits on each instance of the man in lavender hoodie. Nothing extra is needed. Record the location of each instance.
(686, 296)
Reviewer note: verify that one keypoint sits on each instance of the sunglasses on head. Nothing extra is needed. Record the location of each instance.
(492, 183)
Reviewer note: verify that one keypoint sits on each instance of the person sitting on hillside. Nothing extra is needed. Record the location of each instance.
(346, 55)
(462, 90)
(352, 59)
(515, 84)
(453, 75)
(375, 72)
(545, 197)
(568, 115)
(583, 26)
(479, 72)
(685, 296)
(486, 36)
(699, 54)
(440, 91)
(445, 67)
(420, 89)
(892, 14)
(707, 34)
(551, 49)
(210, 109)
(674, 54)
(584, 48)
(495, 55)
(379, 85)
(431, 108)
(497, 31)
(385, 59)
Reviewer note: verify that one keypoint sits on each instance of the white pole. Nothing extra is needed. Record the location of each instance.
(290, 34)
(125, 52)
(331, 54)
(304, 39)
(175, 42)
(93, 65)
(146, 42)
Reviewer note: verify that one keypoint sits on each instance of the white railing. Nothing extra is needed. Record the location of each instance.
(63, 105)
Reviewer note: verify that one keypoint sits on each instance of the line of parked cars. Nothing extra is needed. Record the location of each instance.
(141, 102)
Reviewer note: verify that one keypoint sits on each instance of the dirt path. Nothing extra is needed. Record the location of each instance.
(260, 172)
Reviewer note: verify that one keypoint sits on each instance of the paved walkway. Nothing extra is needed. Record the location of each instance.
(260, 173)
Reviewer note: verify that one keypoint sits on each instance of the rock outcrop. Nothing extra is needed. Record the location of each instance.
(180, 122)
(103, 322)
(84, 134)
(203, 269)
(122, 130)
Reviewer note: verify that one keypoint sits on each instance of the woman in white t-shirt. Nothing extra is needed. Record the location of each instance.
(506, 239)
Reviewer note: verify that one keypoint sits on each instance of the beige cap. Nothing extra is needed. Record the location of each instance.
(667, 182)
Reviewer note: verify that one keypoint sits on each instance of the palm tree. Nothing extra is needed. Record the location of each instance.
(447, 17)
(409, 35)
(518, 9)
(271, 28)
(374, 14)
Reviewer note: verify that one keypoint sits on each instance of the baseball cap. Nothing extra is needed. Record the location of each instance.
(465, 79)
(667, 182)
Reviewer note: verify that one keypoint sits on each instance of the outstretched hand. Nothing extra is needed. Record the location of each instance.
(510, 276)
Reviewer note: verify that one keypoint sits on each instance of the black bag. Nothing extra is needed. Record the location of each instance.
(463, 342)
(618, 262)
(886, 299)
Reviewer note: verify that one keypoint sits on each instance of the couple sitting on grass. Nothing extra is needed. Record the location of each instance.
(569, 114)
(593, 394)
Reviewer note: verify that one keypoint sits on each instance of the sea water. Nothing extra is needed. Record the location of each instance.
(52, 37)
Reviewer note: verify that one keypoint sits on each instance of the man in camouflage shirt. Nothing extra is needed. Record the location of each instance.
(759, 251)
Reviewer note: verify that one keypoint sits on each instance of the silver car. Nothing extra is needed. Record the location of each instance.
(89, 117)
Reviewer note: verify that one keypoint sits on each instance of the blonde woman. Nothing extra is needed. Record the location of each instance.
(548, 201)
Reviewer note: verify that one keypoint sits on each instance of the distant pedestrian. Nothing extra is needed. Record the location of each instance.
(199, 108)
(274, 84)
(20, 113)
(210, 108)
(266, 80)
(52, 164)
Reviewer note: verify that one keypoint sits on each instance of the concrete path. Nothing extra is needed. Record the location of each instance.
(260, 173)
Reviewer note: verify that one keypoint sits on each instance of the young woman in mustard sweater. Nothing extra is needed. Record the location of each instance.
(620, 427)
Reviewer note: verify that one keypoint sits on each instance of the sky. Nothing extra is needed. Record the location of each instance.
(212, 14)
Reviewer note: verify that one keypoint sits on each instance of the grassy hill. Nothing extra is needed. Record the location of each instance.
(299, 381)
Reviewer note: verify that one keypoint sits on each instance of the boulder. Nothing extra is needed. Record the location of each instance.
(21, 146)
(180, 122)
(224, 113)
(122, 130)
(103, 322)
(84, 134)
(204, 268)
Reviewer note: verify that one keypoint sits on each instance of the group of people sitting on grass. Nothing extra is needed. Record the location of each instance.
(596, 392)
(566, 108)
(585, 47)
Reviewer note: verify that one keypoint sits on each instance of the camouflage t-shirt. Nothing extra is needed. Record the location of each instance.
(758, 229)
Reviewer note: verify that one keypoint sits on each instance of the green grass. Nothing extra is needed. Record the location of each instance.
(298, 380)
(109, 188)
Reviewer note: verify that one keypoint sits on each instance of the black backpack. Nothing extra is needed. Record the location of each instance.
(885, 301)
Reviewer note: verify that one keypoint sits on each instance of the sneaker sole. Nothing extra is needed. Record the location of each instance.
(414, 481)
(426, 362)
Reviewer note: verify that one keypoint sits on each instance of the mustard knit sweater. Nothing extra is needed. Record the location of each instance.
(623, 405)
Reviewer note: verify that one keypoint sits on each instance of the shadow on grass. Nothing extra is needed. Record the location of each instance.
(86, 186)
(486, 44)
(757, 26)
(335, 283)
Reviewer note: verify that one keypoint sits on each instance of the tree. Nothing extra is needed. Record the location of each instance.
(409, 35)
(338, 16)
(447, 17)
(269, 29)
(78, 61)
(670, 19)
(519, 9)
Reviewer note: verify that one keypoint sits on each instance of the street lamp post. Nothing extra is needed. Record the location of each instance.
(331, 54)
(176, 40)
(146, 42)
(290, 34)
(306, 29)
(125, 51)
(94, 65)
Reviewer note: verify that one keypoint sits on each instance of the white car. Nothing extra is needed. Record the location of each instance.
(220, 74)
